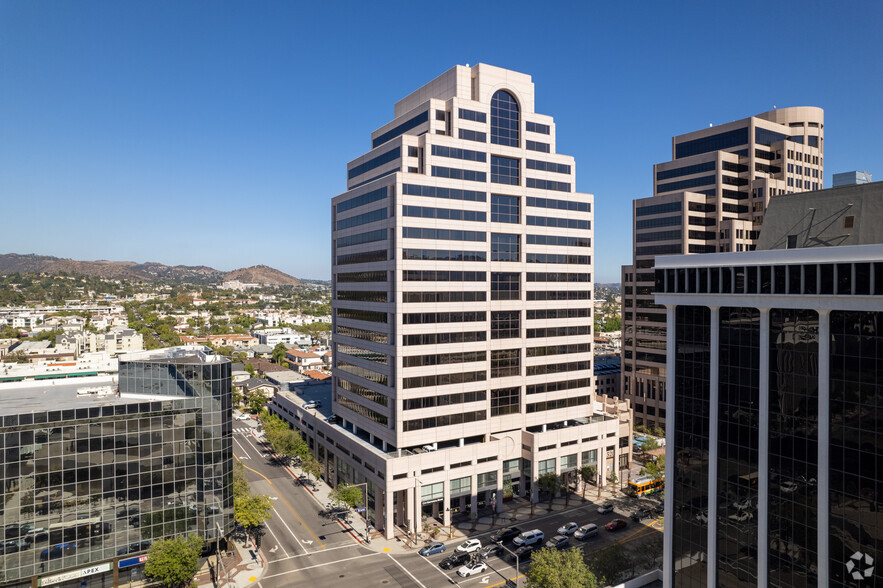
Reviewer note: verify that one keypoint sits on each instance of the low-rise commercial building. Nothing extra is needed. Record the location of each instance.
(404, 485)
(96, 469)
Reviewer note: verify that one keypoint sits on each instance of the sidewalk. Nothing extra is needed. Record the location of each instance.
(238, 568)
(245, 571)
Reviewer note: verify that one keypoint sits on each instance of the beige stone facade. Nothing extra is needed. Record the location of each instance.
(462, 297)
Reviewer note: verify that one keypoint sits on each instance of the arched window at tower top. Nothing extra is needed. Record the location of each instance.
(504, 119)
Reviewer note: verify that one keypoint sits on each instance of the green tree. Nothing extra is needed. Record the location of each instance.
(613, 478)
(250, 369)
(508, 489)
(655, 468)
(550, 483)
(16, 357)
(225, 350)
(287, 444)
(279, 353)
(610, 564)
(347, 494)
(252, 510)
(649, 444)
(255, 402)
(314, 330)
(311, 467)
(241, 487)
(552, 568)
(613, 323)
(589, 475)
(174, 562)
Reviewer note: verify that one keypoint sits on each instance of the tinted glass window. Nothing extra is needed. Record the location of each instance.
(504, 119)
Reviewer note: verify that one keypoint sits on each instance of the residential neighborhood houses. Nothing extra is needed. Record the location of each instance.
(278, 336)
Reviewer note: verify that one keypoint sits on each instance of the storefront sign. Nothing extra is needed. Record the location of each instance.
(132, 561)
(82, 573)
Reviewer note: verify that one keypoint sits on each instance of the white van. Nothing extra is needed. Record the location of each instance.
(586, 531)
(529, 538)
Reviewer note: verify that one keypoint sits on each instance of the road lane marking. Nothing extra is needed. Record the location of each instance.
(283, 500)
(277, 541)
(330, 563)
(311, 553)
(296, 538)
(432, 565)
(241, 446)
(405, 570)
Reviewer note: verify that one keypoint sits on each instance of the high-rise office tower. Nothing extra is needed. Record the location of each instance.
(462, 297)
(776, 399)
(710, 197)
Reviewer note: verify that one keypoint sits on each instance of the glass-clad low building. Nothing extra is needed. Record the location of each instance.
(94, 470)
(776, 453)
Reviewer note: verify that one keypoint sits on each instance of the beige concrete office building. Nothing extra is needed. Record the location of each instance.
(711, 197)
(462, 297)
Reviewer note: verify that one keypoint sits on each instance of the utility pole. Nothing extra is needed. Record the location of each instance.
(365, 503)
(515, 555)
(417, 510)
(220, 567)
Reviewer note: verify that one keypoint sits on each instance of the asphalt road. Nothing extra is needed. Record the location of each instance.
(299, 546)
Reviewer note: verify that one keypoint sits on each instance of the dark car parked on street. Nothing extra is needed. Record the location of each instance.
(454, 560)
(524, 553)
(506, 535)
(489, 550)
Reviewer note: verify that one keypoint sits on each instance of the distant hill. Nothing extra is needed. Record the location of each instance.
(262, 274)
(12, 263)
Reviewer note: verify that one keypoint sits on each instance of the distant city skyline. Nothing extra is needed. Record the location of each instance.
(205, 133)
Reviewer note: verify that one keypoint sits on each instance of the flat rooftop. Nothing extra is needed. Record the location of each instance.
(316, 390)
(37, 396)
(183, 354)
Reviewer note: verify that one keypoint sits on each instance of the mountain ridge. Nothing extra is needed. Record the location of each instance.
(150, 271)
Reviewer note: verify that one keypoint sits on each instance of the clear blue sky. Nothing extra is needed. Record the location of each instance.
(216, 132)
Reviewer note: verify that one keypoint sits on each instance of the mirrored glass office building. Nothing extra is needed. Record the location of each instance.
(95, 469)
(775, 468)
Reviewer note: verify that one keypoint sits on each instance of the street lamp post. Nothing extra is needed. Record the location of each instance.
(417, 510)
(365, 502)
(218, 551)
(515, 555)
(450, 522)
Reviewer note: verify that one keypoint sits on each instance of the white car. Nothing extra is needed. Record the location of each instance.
(743, 504)
(788, 487)
(605, 508)
(469, 546)
(242, 417)
(469, 569)
(568, 528)
(741, 516)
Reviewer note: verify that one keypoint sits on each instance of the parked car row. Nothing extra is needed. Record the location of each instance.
(469, 557)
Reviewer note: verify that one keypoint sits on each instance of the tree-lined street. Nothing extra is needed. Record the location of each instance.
(298, 544)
